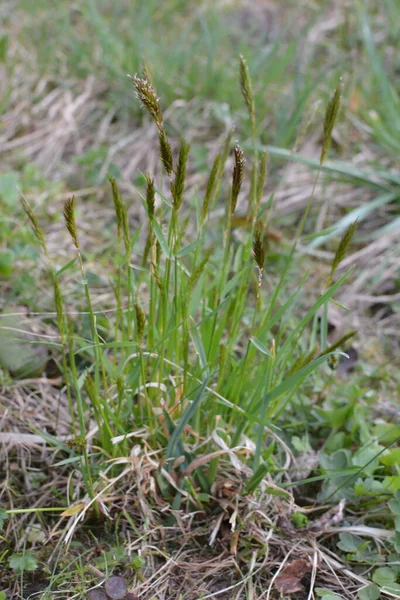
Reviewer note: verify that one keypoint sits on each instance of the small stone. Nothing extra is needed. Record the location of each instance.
(97, 594)
(116, 588)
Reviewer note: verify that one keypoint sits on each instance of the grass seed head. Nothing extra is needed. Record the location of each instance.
(150, 196)
(147, 97)
(121, 213)
(147, 72)
(258, 248)
(117, 204)
(247, 90)
(69, 218)
(140, 322)
(125, 229)
(262, 175)
(237, 179)
(58, 301)
(165, 153)
(259, 252)
(178, 186)
(210, 187)
(342, 249)
(200, 267)
(37, 230)
(331, 114)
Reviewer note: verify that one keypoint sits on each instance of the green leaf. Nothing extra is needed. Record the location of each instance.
(392, 483)
(3, 517)
(199, 347)
(349, 542)
(367, 456)
(139, 268)
(391, 457)
(338, 461)
(187, 249)
(3, 596)
(6, 263)
(62, 270)
(292, 382)
(9, 187)
(23, 562)
(384, 576)
(160, 236)
(386, 432)
(260, 346)
(394, 506)
(326, 594)
(185, 419)
(371, 592)
(232, 283)
(359, 213)
(397, 541)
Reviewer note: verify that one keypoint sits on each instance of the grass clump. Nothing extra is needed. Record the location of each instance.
(199, 399)
(205, 349)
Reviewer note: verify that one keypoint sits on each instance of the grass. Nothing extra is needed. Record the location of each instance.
(191, 423)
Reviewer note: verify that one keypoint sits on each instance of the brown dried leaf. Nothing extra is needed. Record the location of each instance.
(329, 519)
(289, 580)
(116, 588)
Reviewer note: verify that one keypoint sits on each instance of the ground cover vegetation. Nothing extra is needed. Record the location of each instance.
(200, 282)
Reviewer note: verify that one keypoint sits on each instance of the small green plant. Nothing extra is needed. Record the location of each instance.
(23, 562)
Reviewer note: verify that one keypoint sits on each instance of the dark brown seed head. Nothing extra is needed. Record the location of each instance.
(180, 175)
(258, 249)
(150, 196)
(165, 152)
(237, 178)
